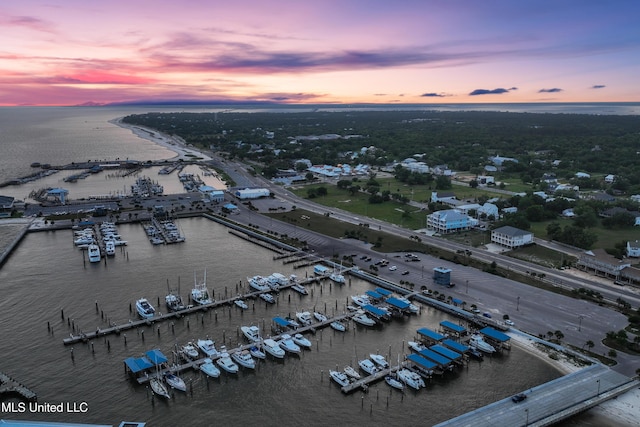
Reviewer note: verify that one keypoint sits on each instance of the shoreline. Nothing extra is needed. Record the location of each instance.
(623, 410)
(175, 144)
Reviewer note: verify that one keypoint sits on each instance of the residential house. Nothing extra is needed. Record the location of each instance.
(633, 249)
(609, 179)
(6, 205)
(450, 221)
(443, 197)
(616, 210)
(510, 210)
(511, 237)
(466, 209)
(485, 180)
(499, 160)
(582, 175)
(601, 263)
(489, 210)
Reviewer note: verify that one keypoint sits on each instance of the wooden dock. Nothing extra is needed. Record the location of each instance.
(132, 324)
(364, 382)
(10, 386)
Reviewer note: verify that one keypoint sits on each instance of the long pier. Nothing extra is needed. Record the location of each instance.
(132, 324)
(364, 382)
(10, 386)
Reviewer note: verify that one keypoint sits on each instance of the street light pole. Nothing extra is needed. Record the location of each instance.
(526, 411)
(579, 323)
(518, 304)
(598, 381)
(467, 291)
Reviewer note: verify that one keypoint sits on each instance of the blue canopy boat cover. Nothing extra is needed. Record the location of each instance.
(282, 322)
(383, 292)
(446, 352)
(453, 327)
(397, 303)
(432, 335)
(374, 310)
(156, 357)
(374, 294)
(438, 358)
(421, 361)
(456, 346)
(495, 335)
(138, 364)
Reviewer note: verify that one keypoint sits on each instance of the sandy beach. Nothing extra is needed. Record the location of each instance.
(173, 143)
(622, 411)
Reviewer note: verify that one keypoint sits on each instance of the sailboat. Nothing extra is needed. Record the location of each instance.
(159, 388)
(200, 293)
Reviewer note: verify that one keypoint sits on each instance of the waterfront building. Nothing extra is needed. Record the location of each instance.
(511, 237)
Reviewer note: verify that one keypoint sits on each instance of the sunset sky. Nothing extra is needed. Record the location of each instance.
(69, 52)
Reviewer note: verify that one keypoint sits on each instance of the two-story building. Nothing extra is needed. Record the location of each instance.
(599, 262)
(511, 237)
(633, 249)
(450, 221)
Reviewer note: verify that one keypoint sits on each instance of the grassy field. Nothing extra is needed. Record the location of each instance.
(542, 256)
(606, 238)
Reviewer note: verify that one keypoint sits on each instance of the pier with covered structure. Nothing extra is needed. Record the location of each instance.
(496, 338)
(429, 337)
(452, 329)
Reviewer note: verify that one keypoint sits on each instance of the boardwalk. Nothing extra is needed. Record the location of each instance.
(9, 386)
(551, 402)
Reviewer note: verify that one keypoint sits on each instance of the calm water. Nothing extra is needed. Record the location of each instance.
(46, 275)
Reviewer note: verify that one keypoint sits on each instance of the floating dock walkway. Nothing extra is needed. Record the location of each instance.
(10, 386)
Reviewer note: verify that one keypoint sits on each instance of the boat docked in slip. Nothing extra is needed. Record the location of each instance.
(94, 253)
(273, 348)
(412, 307)
(240, 303)
(416, 346)
(410, 378)
(225, 362)
(110, 248)
(257, 353)
(209, 368)
(175, 381)
(159, 388)
(276, 280)
(379, 360)
(258, 283)
(360, 300)
(243, 358)
(475, 353)
(189, 351)
(287, 344)
(394, 383)
(479, 343)
(338, 326)
(173, 302)
(300, 340)
(363, 319)
(352, 372)
(208, 347)
(339, 377)
(145, 310)
(304, 317)
(200, 293)
(368, 366)
(337, 278)
(319, 316)
(252, 333)
(268, 298)
(300, 289)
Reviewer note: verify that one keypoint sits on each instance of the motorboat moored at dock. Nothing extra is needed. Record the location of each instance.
(300, 289)
(287, 344)
(174, 302)
(411, 379)
(258, 283)
(304, 317)
(319, 316)
(267, 297)
(243, 358)
(251, 332)
(240, 303)
(300, 340)
(363, 319)
(273, 348)
(479, 343)
(175, 381)
(94, 253)
(379, 360)
(352, 372)
(257, 353)
(145, 310)
(339, 377)
(394, 383)
(200, 293)
(338, 326)
(208, 347)
(368, 366)
(225, 361)
(209, 368)
(189, 351)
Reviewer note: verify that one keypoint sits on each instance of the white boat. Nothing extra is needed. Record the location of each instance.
(159, 388)
(301, 341)
(276, 280)
(208, 347)
(156, 240)
(392, 382)
(84, 240)
(175, 381)
(251, 332)
(240, 303)
(209, 368)
(337, 278)
(363, 319)
(360, 300)
(110, 248)
(379, 360)
(412, 307)
(287, 344)
(268, 298)
(145, 310)
(173, 302)
(304, 317)
(416, 346)
(410, 378)
(225, 361)
(319, 316)
(300, 289)
(478, 342)
(338, 326)
(320, 270)
(273, 348)
(190, 350)
(200, 293)
(94, 253)
(339, 377)
(243, 358)
(257, 353)
(259, 283)
(120, 242)
(352, 372)
(368, 366)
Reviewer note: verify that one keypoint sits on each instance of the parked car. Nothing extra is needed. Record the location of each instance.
(509, 322)
(485, 314)
(519, 397)
(393, 268)
(404, 273)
